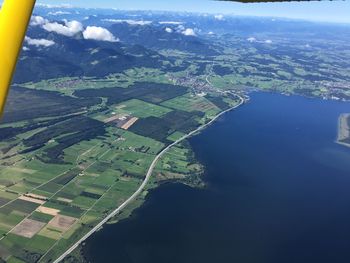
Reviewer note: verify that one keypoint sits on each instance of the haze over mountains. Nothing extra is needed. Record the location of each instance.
(87, 42)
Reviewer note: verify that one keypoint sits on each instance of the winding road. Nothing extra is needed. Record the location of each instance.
(145, 181)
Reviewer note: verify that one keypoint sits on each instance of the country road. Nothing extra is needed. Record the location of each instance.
(145, 181)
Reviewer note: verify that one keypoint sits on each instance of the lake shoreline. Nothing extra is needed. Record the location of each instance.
(255, 203)
(137, 198)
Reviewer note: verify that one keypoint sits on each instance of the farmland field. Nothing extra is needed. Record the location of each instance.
(60, 176)
(141, 109)
(85, 118)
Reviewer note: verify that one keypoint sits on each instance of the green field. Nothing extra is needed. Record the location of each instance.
(65, 152)
(80, 167)
(141, 109)
(84, 123)
(190, 102)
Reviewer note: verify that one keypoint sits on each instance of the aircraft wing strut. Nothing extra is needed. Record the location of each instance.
(14, 18)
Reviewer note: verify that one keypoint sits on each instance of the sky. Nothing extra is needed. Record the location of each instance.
(328, 11)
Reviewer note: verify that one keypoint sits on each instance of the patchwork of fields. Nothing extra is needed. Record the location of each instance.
(62, 172)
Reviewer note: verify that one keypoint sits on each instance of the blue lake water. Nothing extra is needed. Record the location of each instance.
(278, 192)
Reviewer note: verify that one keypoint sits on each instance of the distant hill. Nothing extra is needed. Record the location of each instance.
(143, 35)
(77, 57)
(156, 37)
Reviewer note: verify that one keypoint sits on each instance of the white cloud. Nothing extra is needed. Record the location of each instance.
(25, 48)
(59, 13)
(268, 41)
(69, 29)
(219, 17)
(211, 33)
(170, 23)
(169, 30)
(188, 32)
(99, 33)
(129, 21)
(38, 21)
(54, 6)
(251, 39)
(39, 42)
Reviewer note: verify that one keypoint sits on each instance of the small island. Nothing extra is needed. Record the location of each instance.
(344, 130)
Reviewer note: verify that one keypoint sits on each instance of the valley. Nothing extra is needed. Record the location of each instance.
(92, 126)
(97, 156)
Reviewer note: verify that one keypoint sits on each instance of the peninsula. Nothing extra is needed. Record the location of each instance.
(344, 130)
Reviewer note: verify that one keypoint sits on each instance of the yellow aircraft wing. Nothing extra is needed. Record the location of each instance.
(14, 18)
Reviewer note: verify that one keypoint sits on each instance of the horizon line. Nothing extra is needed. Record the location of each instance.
(70, 6)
